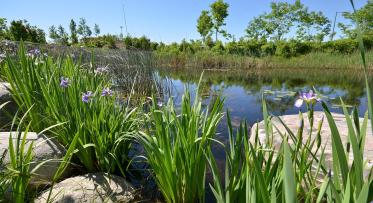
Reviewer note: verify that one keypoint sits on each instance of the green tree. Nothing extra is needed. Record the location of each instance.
(73, 32)
(275, 25)
(204, 24)
(363, 16)
(83, 29)
(22, 30)
(96, 29)
(53, 34)
(3, 28)
(18, 30)
(63, 36)
(257, 28)
(219, 11)
(312, 26)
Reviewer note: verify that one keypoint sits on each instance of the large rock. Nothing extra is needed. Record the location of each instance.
(4, 91)
(293, 122)
(97, 187)
(44, 148)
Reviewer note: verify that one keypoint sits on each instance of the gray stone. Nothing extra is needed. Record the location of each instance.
(293, 122)
(96, 187)
(4, 91)
(44, 148)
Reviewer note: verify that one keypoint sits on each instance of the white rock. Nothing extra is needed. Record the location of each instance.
(96, 187)
(293, 122)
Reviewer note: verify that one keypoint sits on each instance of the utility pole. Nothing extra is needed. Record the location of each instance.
(121, 32)
(125, 21)
(335, 19)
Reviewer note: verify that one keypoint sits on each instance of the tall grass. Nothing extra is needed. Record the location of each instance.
(176, 144)
(212, 60)
(101, 122)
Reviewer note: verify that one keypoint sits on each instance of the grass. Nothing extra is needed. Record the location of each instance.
(211, 60)
(176, 144)
(101, 124)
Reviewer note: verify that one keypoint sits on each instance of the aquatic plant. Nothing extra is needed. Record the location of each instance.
(176, 144)
(57, 90)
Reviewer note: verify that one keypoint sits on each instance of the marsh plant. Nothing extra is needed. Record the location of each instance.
(176, 144)
(62, 91)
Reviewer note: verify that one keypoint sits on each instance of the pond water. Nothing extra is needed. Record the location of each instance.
(243, 91)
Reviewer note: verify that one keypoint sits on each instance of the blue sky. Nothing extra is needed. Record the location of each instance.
(162, 20)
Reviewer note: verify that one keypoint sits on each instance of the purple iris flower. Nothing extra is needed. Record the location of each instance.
(64, 82)
(106, 92)
(86, 96)
(34, 52)
(309, 97)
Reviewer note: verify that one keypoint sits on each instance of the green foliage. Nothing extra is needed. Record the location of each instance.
(362, 16)
(142, 43)
(219, 11)
(96, 30)
(105, 41)
(283, 17)
(176, 145)
(83, 29)
(3, 28)
(204, 24)
(21, 30)
(73, 32)
(102, 125)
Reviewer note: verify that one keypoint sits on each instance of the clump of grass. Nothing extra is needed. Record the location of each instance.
(60, 91)
(176, 145)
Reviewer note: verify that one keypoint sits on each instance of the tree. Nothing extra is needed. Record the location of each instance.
(312, 26)
(219, 11)
(63, 36)
(3, 28)
(283, 17)
(96, 29)
(204, 24)
(73, 32)
(257, 28)
(22, 30)
(53, 33)
(363, 16)
(18, 30)
(83, 29)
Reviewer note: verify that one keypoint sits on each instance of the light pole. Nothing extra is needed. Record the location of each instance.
(335, 19)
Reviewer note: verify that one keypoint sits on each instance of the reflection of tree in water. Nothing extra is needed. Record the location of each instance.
(350, 81)
(280, 107)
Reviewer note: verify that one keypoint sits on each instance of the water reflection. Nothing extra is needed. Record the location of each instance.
(243, 90)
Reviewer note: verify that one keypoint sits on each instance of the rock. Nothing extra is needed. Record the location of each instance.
(293, 121)
(44, 148)
(96, 187)
(4, 91)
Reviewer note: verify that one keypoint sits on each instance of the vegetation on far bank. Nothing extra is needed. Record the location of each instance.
(267, 41)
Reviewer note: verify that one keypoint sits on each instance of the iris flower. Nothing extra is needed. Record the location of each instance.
(106, 92)
(64, 82)
(86, 96)
(309, 98)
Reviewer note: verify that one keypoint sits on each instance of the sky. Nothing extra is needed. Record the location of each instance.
(161, 20)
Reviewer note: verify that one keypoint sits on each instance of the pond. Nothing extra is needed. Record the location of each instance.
(243, 91)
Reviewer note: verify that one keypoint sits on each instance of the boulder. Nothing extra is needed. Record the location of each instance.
(96, 187)
(4, 91)
(44, 148)
(293, 122)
